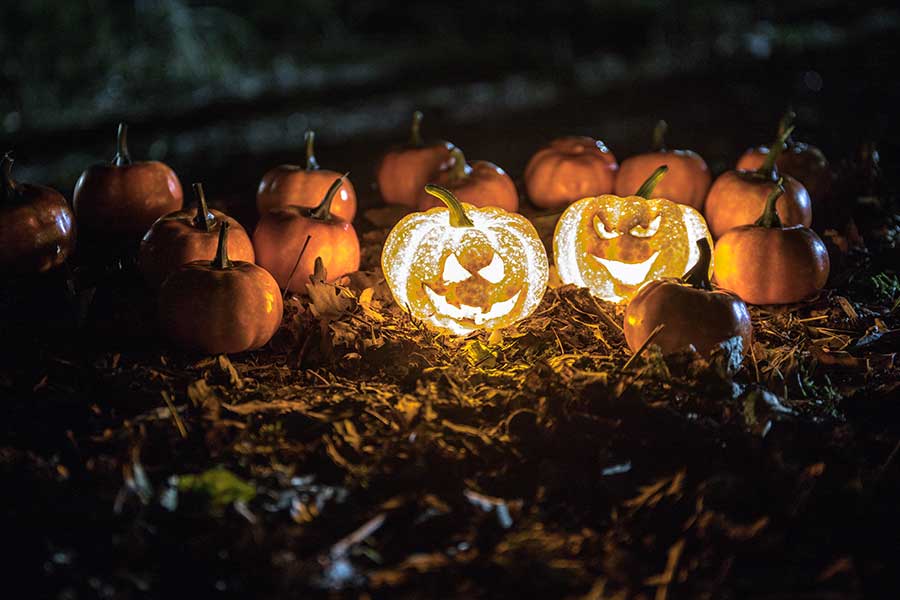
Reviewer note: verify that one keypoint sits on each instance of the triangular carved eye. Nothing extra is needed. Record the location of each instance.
(602, 231)
(648, 231)
(494, 272)
(453, 271)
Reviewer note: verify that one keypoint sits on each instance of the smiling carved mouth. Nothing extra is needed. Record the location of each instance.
(628, 273)
(475, 314)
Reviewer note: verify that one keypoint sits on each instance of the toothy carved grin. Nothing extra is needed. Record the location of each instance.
(628, 273)
(464, 312)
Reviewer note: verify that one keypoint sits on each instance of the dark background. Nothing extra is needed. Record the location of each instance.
(222, 91)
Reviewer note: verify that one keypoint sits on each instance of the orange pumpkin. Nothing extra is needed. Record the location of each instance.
(184, 236)
(37, 229)
(124, 198)
(686, 182)
(804, 162)
(280, 239)
(480, 184)
(221, 305)
(303, 186)
(738, 197)
(460, 268)
(568, 169)
(613, 245)
(403, 171)
(689, 310)
(769, 263)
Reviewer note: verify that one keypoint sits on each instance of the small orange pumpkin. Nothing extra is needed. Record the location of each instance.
(738, 197)
(568, 169)
(686, 182)
(184, 236)
(768, 263)
(37, 229)
(124, 198)
(220, 306)
(804, 162)
(281, 234)
(690, 311)
(292, 185)
(403, 171)
(480, 184)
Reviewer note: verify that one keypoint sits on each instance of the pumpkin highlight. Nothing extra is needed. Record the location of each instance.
(612, 245)
(460, 268)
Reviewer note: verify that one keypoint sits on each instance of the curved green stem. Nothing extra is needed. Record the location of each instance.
(323, 211)
(221, 261)
(698, 275)
(458, 170)
(770, 218)
(122, 156)
(767, 169)
(311, 163)
(415, 130)
(648, 186)
(10, 188)
(458, 216)
(787, 119)
(659, 135)
(203, 221)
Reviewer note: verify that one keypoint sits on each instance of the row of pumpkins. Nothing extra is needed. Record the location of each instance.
(466, 260)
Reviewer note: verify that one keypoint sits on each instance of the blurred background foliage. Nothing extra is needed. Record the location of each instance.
(231, 74)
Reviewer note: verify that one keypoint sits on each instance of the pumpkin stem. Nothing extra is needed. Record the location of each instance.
(458, 216)
(323, 211)
(415, 130)
(770, 218)
(311, 163)
(648, 186)
(458, 170)
(659, 136)
(122, 157)
(204, 220)
(767, 169)
(787, 119)
(698, 275)
(221, 261)
(10, 187)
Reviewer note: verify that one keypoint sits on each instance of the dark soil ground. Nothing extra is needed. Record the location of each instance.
(361, 455)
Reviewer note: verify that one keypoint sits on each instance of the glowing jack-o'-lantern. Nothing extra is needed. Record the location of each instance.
(612, 245)
(463, 268)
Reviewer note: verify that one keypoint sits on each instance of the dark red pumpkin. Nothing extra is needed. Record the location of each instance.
(480, 184)
(689, 310)
(124, 198)
(184, 236)
(804, 162)
(404, 171)
(290, 185)
(37, 229)
(220, 306)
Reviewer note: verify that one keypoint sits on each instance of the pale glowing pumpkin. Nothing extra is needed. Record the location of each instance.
(612, 245)
(463, 268)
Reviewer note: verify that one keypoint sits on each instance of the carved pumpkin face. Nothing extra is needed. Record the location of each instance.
(465, 268)
(612, 245)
